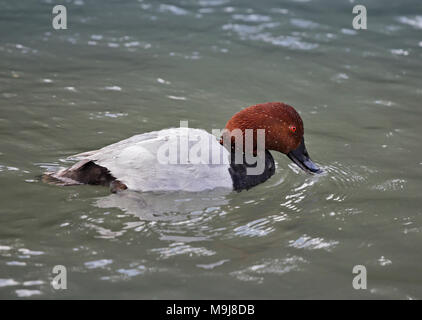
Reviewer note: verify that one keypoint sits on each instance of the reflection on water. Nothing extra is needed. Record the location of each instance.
(124, 68)
(164, 206)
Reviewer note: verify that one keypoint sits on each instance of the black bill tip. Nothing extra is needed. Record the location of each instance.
(301, 157)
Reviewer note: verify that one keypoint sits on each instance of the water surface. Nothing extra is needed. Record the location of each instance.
(128, 67)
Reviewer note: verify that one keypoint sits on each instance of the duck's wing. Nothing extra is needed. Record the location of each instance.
(116, 146)
(137, 162)
(82, 156)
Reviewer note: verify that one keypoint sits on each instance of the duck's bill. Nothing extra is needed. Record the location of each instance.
(301, 157)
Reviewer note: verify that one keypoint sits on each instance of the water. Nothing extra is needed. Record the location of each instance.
(128, 67)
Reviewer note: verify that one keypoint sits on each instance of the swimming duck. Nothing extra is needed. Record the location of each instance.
(191, 159)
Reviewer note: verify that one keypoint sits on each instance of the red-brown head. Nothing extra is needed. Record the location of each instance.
(283, 130)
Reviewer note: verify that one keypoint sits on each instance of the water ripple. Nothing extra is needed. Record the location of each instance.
(415, 21)
(180, 248)
(251, 17)
(257, 228)
(255, 272)
(306, 242)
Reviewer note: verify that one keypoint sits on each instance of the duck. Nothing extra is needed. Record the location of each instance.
(194, 160)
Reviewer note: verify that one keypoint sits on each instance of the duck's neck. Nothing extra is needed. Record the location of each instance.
(242, 180)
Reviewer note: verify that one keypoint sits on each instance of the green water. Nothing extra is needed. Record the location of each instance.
(128, 67)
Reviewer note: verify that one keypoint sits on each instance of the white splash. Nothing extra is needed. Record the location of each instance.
(113, 88)
(399, 52)
(176, 98)
(415, 22)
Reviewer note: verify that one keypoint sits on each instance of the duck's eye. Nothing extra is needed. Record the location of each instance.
(292, 129)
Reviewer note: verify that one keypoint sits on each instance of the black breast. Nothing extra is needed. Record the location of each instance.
(242, 180)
